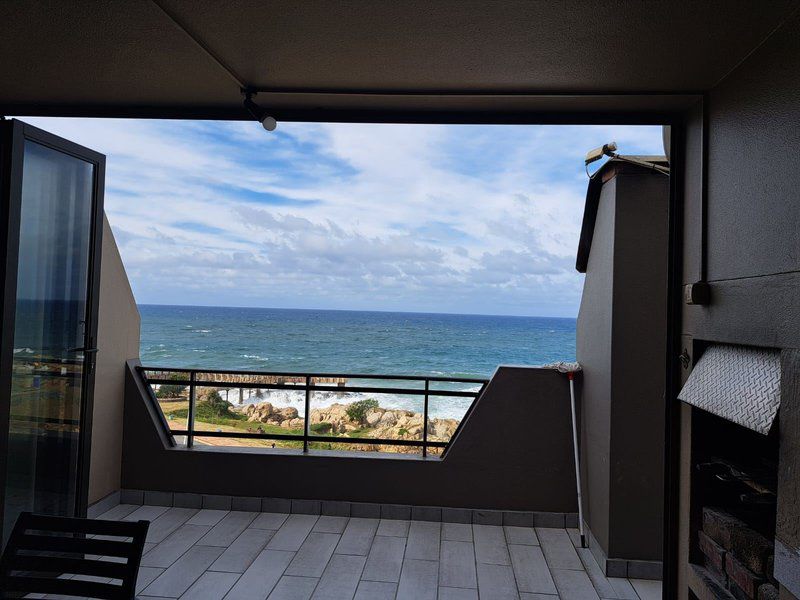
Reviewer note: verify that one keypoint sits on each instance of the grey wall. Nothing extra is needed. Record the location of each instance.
(118, 341)
(514, 453)
(639, 351)
(753, 219)
(593, 351)
(753, 251)
(621, 343)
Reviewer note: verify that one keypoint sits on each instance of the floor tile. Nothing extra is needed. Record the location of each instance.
(423, 540)
(446, 593)
(208, 516)
(393, 527)
(575, 536)
(261, 576)
(168, 522)
(525, 536)
(172, 548)
(184, 572)
(419, 580)
(293, 588)
(574, 585)
(457, 565)
(145, 513)
(292, 533)
(490, 545)
(457, 532)
(211, 586)
(269, 521)
(527, 596)
(558, 549)
(331, 524)
(118, 512)
(313, 555)
(243, 551)
(496, 582)
(228, 529)
(357, 536)
(385, 559)
(622, 588)
(601, 584)
(647, 589)
(340, 578)
(530, 569)
(376, 590)
(146, 576)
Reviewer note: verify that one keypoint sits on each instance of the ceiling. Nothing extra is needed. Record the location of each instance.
(317, 58)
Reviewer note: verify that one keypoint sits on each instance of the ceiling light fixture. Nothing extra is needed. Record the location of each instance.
(261, 115)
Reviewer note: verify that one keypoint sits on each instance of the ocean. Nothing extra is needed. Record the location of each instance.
(320, 341)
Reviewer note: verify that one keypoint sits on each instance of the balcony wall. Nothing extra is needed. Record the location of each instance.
(118, 341)
(514, 452)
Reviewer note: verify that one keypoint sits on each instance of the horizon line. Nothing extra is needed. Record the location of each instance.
(402, 312)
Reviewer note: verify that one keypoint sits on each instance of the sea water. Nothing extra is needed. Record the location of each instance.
(333, 341)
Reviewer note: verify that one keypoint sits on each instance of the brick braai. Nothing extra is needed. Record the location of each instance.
(739, 557)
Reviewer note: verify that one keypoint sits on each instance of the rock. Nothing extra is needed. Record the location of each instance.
(374, 417)
(379, 423)
(388, 418)
(289, 413)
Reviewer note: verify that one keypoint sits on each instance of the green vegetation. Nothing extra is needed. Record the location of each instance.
(214, 408)
(357, 411)
(170, 390)
(321, 428)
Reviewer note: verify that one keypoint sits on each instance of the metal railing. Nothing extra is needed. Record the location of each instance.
(306, 382)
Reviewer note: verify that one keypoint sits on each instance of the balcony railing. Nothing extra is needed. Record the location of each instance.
(185, 383)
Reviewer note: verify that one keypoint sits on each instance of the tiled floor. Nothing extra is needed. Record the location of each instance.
(215, 554)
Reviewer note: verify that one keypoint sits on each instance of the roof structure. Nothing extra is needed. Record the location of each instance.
(452, 60)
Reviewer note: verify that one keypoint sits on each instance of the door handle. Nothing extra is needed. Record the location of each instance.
(84, 350)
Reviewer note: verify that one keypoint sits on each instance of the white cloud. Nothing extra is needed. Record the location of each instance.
(389, 217)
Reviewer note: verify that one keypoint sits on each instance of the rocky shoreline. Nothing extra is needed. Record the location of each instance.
(376, 422)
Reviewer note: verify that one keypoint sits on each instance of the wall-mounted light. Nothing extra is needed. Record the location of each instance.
(605, 150)
(610, 150)
(261, 115)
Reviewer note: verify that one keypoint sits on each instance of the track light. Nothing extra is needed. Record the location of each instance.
(261, 115)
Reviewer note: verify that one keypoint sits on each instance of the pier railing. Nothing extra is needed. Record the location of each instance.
(398, 385)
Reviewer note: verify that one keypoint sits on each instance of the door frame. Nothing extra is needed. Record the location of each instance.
(13, 135)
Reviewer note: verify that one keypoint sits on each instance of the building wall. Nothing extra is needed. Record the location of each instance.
(639, 356)
(593, 351)
(753, 215)
(621, 342)
(118, 341)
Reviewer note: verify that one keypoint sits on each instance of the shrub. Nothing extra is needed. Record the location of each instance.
(357, 411)
(214, 407)
(170, 390)
(323, 427)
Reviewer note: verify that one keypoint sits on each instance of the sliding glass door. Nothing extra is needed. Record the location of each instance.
(54, 249)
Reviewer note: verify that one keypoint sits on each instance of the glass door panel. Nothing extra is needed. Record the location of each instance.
(49, 364)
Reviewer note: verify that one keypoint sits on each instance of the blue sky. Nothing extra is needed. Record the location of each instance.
(439, 218)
